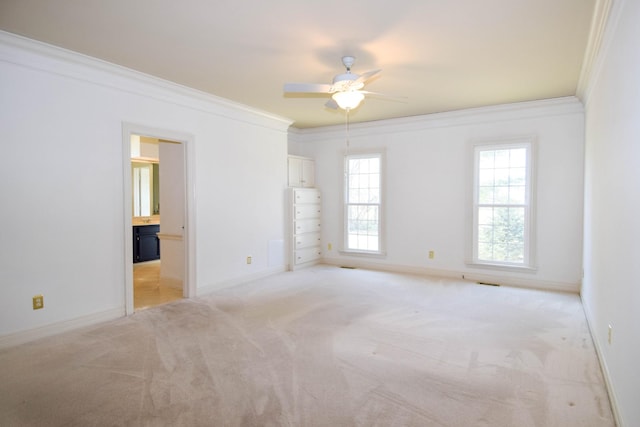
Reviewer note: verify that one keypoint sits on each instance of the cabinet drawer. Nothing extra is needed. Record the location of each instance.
(146, 229)
(307, 226)
(306, 211)
(306, 255)
(307, 240)
(306, 196)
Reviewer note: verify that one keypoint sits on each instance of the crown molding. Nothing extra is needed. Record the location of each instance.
(590, 64)
(37, 55)
(480, 115)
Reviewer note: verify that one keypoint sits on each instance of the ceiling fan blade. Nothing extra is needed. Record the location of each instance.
(331, 103)
(366, 76)
(306, 88)
(385, 96)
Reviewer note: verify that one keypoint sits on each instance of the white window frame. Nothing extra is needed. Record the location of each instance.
(381, 241)
(528, 263)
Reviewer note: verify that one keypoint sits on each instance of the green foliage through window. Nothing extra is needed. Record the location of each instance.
(363, 196)
(502, 204)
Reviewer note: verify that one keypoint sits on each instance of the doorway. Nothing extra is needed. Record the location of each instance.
(158, 239)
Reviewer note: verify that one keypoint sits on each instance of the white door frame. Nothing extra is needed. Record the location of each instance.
(187, 140)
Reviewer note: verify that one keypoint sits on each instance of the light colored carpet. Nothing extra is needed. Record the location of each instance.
(320, 347)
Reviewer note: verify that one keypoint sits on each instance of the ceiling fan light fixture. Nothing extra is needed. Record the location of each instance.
(348, 100)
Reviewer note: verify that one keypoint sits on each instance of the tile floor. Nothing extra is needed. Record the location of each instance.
(147, 289)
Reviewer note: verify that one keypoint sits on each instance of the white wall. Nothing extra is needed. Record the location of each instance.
(611, 291)
(428, 182)
(61, 182)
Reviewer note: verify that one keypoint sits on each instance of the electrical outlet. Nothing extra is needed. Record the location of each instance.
(432, 254)
(248, 260)
(609, 334)
(38, 302)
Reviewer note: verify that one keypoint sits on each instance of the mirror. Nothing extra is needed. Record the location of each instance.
(146, 186)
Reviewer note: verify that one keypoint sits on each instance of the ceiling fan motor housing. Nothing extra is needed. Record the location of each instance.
(344, 82)
(348, 61)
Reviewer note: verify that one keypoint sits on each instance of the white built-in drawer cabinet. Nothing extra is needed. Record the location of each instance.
(304, 205)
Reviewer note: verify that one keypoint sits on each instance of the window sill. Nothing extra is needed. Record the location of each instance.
(369, 254)
(503, 267)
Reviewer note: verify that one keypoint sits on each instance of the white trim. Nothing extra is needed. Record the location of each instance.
(502, 267)
(45, 331)
(553, 107)
(40, 56)
(613, 399)
(528, 141)
(128, 219)
(590, 65)
(187, 140)
(519, 282)
(241, 280)
(372, 254)
(368, 153)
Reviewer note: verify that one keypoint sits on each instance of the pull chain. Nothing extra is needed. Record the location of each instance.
(347, 151)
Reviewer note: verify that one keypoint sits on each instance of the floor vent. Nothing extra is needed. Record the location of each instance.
(487, 284)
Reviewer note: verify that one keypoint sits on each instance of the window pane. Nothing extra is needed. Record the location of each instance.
(486, 177)
(501, 195)
(517, 195)
(354, 181)
(374, 180)
(502, 158)
(516, 225)
(503, 239)
(485, 251)
(364, 166)
(501, 176)
(518, 157)
(362, 227)
(516, 253)
(486, 159)
(374, 165)
(485, 233)
(354, 166)
(373, 196)
(502, 190)
(485, 195)
(363, 199)
(517, 176)
(485, 216)
(499, 252)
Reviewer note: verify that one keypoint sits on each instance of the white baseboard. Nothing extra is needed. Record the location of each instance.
(240, 280)
(531, 283)
(603, 366)
(22, 337)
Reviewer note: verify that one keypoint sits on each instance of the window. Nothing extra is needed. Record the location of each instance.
(502, 204)
(363, 195)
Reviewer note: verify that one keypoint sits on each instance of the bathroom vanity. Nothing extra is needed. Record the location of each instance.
(146, 244)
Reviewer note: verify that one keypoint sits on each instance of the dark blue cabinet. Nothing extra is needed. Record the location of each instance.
(146, 244)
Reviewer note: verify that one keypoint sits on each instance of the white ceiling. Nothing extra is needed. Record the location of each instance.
(443, 55)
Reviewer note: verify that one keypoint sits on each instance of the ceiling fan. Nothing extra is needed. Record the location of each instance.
(345, 90)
